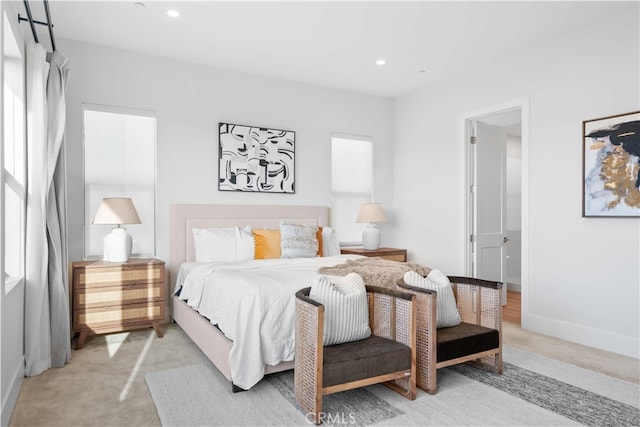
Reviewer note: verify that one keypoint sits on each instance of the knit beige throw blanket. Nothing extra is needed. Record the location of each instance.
(376, 271)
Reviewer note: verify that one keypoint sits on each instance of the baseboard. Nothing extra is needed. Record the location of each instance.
(514, 287)
(10, 399)
(605, 340)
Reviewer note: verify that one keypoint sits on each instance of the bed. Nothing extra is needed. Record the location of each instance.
(183, 218)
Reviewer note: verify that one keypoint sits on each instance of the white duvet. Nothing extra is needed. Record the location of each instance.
(253, 304)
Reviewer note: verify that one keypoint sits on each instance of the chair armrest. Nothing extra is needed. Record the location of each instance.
(391, 292)
(426, 334)
(478, 301)
(309, 330)
(309, 321)
(414, 289)
(392, 315)
(303, 294)
(476, 282)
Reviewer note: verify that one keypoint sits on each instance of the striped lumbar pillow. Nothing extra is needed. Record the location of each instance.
(346, 311)
(446, 311)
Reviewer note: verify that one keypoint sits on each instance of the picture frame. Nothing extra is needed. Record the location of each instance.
(611, 166)
(256, 159)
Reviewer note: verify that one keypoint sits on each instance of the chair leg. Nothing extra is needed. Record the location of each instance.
(314, 413)
(317, 411)
(309, 400)
(427, 379)
(407, 390)
(428, 382)
(493, 363)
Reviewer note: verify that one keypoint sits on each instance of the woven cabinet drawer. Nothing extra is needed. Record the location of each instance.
(399, 258)
(117, 316)
(118, 295)
(118, 275)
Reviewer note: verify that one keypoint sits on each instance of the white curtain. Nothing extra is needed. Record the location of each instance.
(56, 212)
(36, 312)
(47, 326)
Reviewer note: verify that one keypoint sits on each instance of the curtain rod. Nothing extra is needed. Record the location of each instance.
(46, 10)
(32, 21)
(33, 27)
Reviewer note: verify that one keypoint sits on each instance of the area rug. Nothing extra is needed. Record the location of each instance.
(533, 390)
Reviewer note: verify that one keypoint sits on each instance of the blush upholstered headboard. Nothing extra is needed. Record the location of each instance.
(185, 217)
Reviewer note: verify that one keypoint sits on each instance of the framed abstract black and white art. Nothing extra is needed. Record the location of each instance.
(611, 166)
(255, 159)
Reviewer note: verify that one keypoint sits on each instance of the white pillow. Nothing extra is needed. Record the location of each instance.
(346, 311)
(330, 245)
(245, 244)
(223, 244)
(446, 310)
(298, 241)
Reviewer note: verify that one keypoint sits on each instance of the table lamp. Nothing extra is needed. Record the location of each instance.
(117, 211)
(371, 213)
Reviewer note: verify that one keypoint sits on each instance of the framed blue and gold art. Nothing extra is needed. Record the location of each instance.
(256, 159)
(611, 166)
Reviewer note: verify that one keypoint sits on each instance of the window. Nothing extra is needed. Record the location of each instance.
(13, 196)
(351, 185)
(119, 161)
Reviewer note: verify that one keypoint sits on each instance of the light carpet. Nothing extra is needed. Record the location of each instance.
(533, 390)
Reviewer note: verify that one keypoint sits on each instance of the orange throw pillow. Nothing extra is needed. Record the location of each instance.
(319, 238)
(267, 243)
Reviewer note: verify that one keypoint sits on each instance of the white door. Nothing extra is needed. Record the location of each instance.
(490, 204)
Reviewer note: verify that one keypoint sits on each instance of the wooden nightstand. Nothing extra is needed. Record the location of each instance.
(392, 254)
(114, 297)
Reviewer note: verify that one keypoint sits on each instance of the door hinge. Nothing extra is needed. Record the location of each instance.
(472, 140)
(472, 238)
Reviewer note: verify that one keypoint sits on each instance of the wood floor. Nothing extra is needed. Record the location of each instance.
(511, 311)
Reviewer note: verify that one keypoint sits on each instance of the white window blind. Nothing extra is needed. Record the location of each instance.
(119, 161)
(351, 183)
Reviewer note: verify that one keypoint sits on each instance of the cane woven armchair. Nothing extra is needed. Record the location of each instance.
(388, 356)
(478, 338)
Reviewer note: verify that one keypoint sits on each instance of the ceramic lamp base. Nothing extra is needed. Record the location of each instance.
(371, 237)
(117, 245)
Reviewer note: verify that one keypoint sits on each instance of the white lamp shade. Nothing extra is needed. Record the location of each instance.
(371, 213)
(116, 210)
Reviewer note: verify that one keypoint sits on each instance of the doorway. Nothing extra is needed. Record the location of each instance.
(496, 169)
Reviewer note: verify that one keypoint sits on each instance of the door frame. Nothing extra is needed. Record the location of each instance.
(466, 167)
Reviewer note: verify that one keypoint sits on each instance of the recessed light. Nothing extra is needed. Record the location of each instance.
(173, 13)
(381, 62)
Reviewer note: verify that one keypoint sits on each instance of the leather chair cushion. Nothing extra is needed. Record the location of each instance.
(464, 340)
(367, 358)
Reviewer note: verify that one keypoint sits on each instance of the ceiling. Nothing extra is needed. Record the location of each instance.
(327, 43)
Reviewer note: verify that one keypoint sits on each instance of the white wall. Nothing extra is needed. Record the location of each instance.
(11, 303)
(190, 100)
(583, 273)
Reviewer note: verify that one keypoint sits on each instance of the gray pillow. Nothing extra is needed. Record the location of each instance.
(446, 310)
(298, 241)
